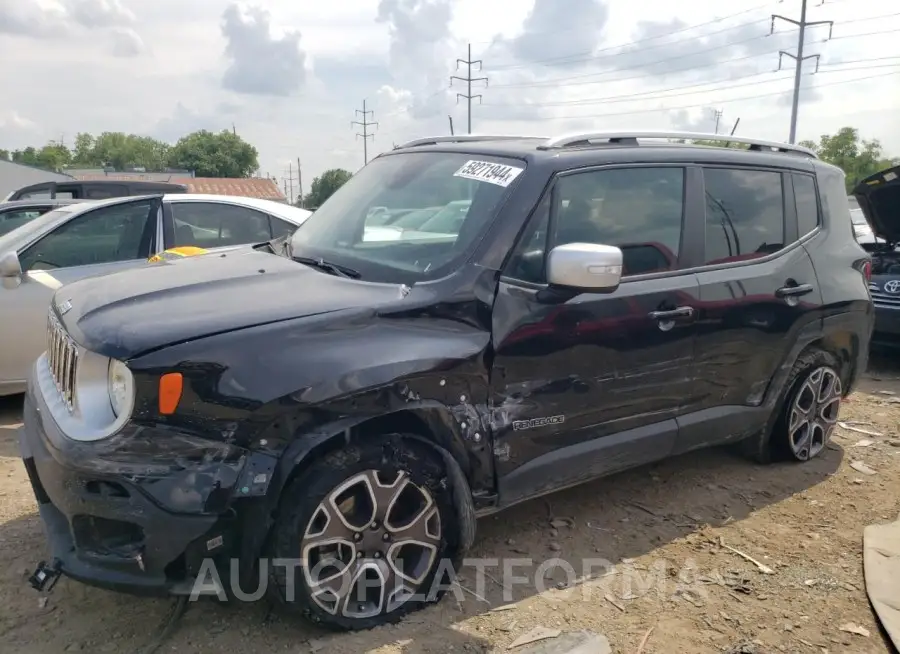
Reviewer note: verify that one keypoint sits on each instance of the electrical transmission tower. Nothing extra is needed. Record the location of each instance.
(799, 58)
(468, 79)
(289, 184)
(364, 123)
(718, 114)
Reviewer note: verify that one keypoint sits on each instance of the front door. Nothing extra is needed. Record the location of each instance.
(586, 384)
(105, 240)
(758, 292)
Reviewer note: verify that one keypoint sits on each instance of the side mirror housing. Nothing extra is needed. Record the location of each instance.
(586, 267)
(9, 265)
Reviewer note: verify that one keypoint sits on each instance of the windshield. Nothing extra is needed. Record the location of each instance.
(449, 199)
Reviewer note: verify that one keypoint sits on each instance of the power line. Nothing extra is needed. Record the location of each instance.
(365, 122)
(592, 53)
(687, 55)
(468, 79)
(799, 58)
(706, 104)
(680, 90)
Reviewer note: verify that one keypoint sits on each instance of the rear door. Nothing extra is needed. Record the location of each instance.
(758, 291)
(96, 242)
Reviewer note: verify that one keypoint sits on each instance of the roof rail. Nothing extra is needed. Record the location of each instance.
(631, 138)
(463, 138)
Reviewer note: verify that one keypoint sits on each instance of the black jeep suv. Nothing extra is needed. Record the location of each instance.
(335, 408)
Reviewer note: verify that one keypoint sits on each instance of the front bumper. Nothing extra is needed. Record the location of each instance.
(102, 525)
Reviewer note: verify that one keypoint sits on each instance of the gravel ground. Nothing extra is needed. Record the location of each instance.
(666, 529)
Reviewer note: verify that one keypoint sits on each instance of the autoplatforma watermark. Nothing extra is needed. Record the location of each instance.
(586, 579)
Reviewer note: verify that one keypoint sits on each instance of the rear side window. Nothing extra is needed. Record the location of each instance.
(744, 214)
(807, 201)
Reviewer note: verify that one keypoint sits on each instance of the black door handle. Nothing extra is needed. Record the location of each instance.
(794, 291)
(680, 312)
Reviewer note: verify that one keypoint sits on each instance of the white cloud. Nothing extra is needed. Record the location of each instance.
(552, 66)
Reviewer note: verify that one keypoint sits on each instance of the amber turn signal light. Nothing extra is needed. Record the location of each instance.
(170, 387)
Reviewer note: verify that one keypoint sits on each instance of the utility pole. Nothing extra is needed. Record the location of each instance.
(365, 122)
(299, 184)
(468, 79)
(799, 58)
(451, 125)
(289, 184)
(718, 115)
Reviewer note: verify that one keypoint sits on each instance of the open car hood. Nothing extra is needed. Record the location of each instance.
(879, 198)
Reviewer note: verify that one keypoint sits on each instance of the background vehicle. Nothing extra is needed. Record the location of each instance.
(879, 200)
(94, 189)
(95, 238)
(606, 302)
(16, 213)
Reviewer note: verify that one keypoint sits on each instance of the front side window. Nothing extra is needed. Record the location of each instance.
(744, 214)
(121, 232)
(212, 224)
(639, 210)
(440, 204)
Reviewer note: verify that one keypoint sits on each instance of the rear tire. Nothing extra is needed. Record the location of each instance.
(376, 530)
(807, 414)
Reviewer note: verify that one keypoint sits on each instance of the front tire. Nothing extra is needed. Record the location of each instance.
(375, 531)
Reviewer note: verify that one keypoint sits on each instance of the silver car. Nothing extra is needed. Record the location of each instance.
(101, 237)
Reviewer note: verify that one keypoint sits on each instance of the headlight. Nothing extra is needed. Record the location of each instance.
(120, 387)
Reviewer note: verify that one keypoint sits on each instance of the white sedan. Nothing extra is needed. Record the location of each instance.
(105, 236)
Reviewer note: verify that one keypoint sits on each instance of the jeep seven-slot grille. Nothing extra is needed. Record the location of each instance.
(62, 356)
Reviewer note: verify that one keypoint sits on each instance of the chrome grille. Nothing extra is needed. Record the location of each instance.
(62, 357)
(882, 299)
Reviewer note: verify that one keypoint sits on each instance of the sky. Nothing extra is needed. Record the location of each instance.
(291, 77)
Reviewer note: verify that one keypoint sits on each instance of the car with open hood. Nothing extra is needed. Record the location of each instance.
(327, 413)
(879, 202)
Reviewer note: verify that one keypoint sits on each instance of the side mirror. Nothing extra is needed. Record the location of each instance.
(9, 265)
(586, 267)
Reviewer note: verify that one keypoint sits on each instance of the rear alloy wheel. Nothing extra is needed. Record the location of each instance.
(371, 526)
(814, 413)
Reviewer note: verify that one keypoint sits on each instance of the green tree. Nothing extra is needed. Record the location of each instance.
(215, 155)
(324, 186)
(5, 155)
(857, 157)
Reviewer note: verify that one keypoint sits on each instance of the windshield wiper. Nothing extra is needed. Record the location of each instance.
(330, 268)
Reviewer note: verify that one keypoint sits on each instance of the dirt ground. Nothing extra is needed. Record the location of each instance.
(665, 529)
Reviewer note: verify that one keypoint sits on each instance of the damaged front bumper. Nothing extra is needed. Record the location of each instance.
(142, 526)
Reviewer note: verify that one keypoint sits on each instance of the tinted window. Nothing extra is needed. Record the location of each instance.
(34, 195)
(636, 209)
(281, 227)
(527, 262)
(744, 214)
(9, 220)
(212, 224)
(807, 204)
(121, 232)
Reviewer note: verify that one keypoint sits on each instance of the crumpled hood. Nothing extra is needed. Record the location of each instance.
(128, 313)
(879, 198)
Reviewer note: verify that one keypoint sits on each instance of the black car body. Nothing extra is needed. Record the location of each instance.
(879, 199)
(252, 370)
(96, 189)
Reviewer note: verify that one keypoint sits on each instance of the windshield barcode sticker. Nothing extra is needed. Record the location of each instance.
(485, 171)
(890, 177)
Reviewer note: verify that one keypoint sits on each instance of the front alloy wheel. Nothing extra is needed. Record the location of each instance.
(374, 530)
(370, 544)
